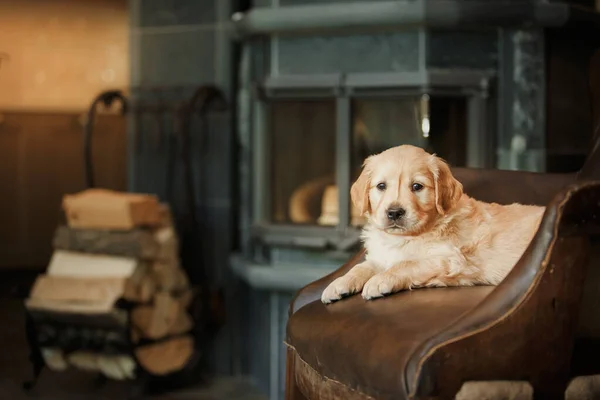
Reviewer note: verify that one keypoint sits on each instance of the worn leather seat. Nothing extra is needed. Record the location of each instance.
(320, 334)
(425, 343)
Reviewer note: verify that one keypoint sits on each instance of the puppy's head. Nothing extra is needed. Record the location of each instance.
(403, 190)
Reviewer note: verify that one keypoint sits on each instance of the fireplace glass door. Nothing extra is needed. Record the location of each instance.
(303, 147)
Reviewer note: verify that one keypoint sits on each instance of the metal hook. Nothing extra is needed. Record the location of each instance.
(107, 98)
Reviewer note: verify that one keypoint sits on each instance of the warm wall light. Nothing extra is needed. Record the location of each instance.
(55, 56)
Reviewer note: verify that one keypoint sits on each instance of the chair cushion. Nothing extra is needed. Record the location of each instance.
(366, 345)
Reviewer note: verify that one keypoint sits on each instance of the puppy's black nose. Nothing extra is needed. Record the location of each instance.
(395, 214)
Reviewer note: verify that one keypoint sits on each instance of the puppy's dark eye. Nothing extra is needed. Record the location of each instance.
(381, 186)
(416, 187)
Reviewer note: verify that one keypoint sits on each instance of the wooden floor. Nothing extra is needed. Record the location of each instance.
(76, 385)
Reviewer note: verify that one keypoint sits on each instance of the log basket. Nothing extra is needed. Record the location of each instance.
(114, 335)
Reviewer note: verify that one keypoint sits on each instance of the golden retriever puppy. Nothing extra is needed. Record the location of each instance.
(423, 231)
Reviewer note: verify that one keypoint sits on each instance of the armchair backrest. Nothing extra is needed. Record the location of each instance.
(589, 319)
(506, 187)
(591, 167)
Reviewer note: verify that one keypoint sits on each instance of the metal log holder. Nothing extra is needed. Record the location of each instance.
(74, 332)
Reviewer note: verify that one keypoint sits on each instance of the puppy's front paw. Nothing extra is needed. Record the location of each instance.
(341, 287)
(378, 286)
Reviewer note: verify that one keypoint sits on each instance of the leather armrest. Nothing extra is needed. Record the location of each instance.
(550, 271)
(313, 291)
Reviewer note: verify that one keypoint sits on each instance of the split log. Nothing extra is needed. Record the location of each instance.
(72, 264)
(156, 245)
(140, 286)
(81, 290)
(155, 321)
(183, 323)
(54, 359)
(85, 292)
(144, 290)
(149, 322)
(185, 298)
(166, 316)
(169, 277)
(93, 278)
(105, 306)
(118, 367)
(95, 293)
(107, 209)
(167, 356)
(84, 360)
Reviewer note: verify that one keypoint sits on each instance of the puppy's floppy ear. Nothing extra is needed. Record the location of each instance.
(360, 189)
(448, 190)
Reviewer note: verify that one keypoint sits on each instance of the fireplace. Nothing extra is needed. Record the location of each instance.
(312, 129)
(325, 85)
(322, 85)
(302, 144)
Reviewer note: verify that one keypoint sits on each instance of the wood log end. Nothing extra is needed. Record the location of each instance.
(107, 209)
(166, 357)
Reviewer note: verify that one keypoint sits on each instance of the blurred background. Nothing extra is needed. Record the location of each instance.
(307, 89)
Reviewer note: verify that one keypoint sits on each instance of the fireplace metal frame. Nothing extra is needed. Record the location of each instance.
(379, 15)
(474, 85)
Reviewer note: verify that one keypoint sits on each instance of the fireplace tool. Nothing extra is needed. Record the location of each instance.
(208, 305)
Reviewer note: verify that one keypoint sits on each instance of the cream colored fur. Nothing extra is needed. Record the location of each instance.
(445, 237)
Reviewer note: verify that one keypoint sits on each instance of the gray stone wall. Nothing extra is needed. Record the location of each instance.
(521, 130)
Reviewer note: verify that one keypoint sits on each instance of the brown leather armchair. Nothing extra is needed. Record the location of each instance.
(426, 343)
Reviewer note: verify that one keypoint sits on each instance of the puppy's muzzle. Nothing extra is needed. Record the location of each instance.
(394, 214)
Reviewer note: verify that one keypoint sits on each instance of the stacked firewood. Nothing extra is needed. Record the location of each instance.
(114, 297)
